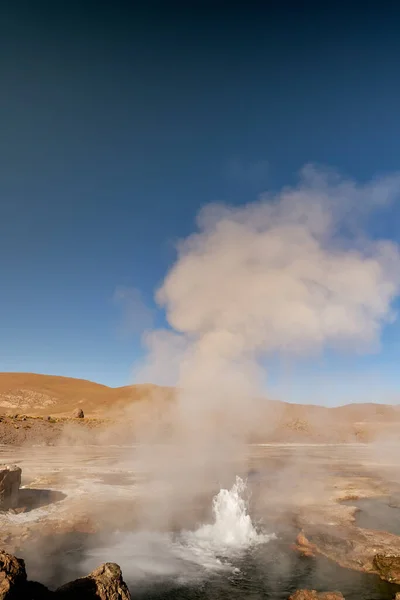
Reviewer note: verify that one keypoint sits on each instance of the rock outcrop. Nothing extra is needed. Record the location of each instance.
(304, 546)
(10, 481)
(387, 566)
(12, 576)
(104, 583)
(78, 414)
(314, 595)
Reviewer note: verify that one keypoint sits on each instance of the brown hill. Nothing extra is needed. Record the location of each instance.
(34, 394)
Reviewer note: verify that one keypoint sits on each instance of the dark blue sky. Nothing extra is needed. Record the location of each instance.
(120, 120)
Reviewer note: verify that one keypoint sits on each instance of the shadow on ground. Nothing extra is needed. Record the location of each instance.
(29, 499)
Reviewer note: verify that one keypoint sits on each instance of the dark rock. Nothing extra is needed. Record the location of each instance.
(104, 583)
(12, 576)
(47, 418)
(33, 590)
(388, 567)
(10, 481)
(78, 414)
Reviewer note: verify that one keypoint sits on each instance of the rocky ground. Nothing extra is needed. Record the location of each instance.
(329, 527)
(20, 429)
(314, 595)
(33, 430)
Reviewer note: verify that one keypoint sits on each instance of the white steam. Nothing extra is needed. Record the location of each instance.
(288, 275)
(282, 275)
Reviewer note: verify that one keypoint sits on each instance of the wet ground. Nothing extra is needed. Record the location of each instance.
(106, 484)
(382, 513)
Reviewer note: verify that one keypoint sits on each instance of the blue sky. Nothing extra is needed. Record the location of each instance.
(118, 123)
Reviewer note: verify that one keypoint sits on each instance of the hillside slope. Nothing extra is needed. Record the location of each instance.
(34, 394)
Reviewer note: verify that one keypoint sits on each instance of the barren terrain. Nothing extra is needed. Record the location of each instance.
(38, 409)
(34, 394)
(307, 467)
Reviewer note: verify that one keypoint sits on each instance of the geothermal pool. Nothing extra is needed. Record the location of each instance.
(240, 549)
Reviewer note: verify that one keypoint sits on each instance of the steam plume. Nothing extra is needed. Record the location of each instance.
(290, 274)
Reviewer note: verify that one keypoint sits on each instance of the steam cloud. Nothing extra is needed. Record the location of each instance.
(290, 274)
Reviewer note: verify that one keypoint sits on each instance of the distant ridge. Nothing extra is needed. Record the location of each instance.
(34, 394)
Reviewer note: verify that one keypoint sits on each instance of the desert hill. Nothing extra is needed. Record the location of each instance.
(33, 394)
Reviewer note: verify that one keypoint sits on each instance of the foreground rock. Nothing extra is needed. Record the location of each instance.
(314, 595)
(78, 414)
(12, 576)
(104, 583)
(10, 481)
(388, 567)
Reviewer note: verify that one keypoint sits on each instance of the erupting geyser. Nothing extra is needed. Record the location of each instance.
(232, 528)
(188, 555)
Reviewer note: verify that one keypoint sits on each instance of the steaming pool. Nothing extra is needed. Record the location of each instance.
(241, 549)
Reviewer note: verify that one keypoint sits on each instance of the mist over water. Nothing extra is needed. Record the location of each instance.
(229, 557)
(188, 555)
(229, 552)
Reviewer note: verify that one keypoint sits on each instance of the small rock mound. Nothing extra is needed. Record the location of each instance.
(388, 567)
(104, 583)
(78, 414)
(304, 546)
(314, 595)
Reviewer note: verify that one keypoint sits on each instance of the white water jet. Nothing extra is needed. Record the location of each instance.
(213, 546)
(232, 528)
(189, 555)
